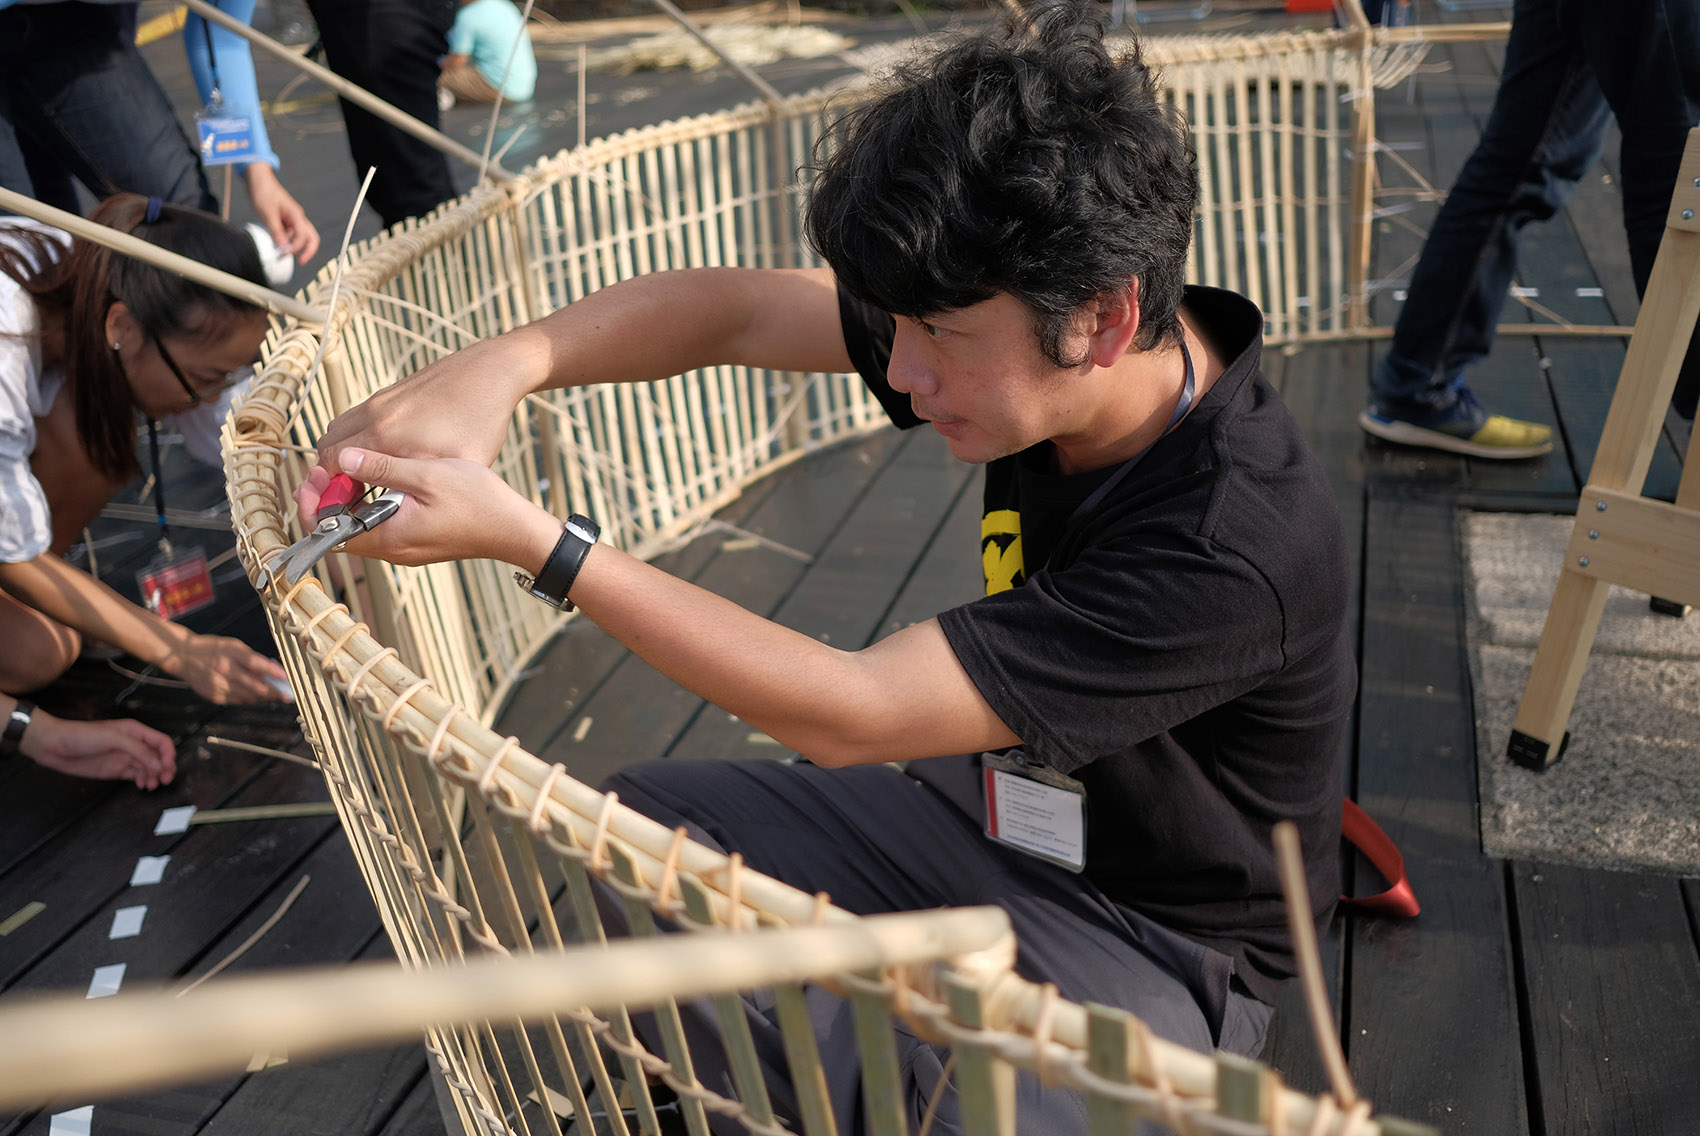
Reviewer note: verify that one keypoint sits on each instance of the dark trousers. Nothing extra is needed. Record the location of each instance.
(1569, 66)
(77, 101)
(876, 840)
(392, 48)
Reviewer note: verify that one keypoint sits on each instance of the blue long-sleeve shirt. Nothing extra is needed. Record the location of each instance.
(238, 88)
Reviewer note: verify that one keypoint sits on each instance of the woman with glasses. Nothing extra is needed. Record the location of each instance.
(89, 338)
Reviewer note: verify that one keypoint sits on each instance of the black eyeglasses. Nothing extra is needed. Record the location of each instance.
(196, 397)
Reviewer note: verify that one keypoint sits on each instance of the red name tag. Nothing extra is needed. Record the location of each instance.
(176, 586)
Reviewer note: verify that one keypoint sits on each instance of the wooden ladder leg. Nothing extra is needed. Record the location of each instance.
(1538, 737)
(1687, 497)
(1631, 433)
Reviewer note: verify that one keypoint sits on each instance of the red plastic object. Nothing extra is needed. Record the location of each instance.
(342, 491)
(1310, 5)
(1378, 848)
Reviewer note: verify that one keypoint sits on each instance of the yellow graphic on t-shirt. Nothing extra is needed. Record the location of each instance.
(1000, 550)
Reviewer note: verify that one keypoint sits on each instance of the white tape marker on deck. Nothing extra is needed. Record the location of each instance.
(174, 820)
(1525, 293)
(149, 870)
(106, 980)
(1590, 293)
(127, 922)
(74, 1123)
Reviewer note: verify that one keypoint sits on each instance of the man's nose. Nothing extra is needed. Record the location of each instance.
(907, 370)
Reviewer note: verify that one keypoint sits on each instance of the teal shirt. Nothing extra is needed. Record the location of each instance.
(486, 30)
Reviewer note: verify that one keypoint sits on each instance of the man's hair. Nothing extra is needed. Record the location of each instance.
(1026, 161)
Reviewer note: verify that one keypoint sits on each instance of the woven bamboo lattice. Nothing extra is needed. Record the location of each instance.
(473, 846)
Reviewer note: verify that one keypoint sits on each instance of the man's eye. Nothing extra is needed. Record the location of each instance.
(933, 332)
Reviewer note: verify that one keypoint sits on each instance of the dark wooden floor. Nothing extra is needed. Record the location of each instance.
(1527, 999)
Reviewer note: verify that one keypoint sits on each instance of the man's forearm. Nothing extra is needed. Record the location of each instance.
(666, 323)
(904, 697)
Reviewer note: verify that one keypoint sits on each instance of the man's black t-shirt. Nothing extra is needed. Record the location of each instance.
(1181, 649)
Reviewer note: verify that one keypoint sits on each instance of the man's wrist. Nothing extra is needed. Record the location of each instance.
(554, 580)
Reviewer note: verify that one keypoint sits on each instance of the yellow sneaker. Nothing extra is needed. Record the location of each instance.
(1463, 428)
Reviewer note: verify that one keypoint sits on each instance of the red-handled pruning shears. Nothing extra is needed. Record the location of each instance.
(338, 523)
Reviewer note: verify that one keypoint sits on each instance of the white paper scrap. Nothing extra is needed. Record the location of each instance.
(106, 980)
(149, 870)
(77, 1122)
(174, 820)
(127, 922)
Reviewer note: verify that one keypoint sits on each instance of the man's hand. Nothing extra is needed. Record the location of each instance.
(458, 407)
(455, 509)
(280, 213)
(121, 749)
(226, 670)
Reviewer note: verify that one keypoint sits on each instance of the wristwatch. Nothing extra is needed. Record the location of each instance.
(552, 584)
(12, 740)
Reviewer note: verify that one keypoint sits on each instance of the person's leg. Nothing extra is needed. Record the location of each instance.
(391, 48)
(467, 85)
(1542, 135)
(38, 649)
(85, 95)
(876, 840)
(1646, 56)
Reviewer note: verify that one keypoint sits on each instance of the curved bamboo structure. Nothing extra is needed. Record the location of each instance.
(470, 844)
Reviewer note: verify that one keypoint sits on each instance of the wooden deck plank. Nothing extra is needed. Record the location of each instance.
(88, 864)
(215, 873)
(418, 1114)
(948, 572)
(568, 672)
(1432, 1025)
(1317, 384)
(353, 1094)
(842, 599)
(1613, 976)
(637, 713)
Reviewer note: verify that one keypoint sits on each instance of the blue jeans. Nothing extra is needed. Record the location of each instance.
(1569, 66)
(77, 101)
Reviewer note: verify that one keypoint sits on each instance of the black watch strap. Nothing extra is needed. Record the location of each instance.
(556, 578)
(12, 740)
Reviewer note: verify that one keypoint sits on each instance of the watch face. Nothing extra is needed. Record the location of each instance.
(578, 529)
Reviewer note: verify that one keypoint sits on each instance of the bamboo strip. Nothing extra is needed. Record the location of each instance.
(245, 290)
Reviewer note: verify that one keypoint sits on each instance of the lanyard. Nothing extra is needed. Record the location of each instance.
(217, 99)
(158, 488)
(1188, 390)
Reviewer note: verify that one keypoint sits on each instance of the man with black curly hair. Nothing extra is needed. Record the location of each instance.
(1159, 670)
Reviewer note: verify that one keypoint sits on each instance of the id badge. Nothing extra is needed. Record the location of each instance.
(175, 585)
(1036, 810)
(225, 137)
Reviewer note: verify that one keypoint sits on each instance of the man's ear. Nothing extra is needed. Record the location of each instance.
(1115, 323)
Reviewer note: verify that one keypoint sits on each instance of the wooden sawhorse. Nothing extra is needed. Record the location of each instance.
(1620, 536)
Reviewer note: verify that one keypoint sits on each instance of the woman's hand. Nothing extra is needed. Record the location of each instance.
(224, 670)
(455, 510)
(120, 749)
